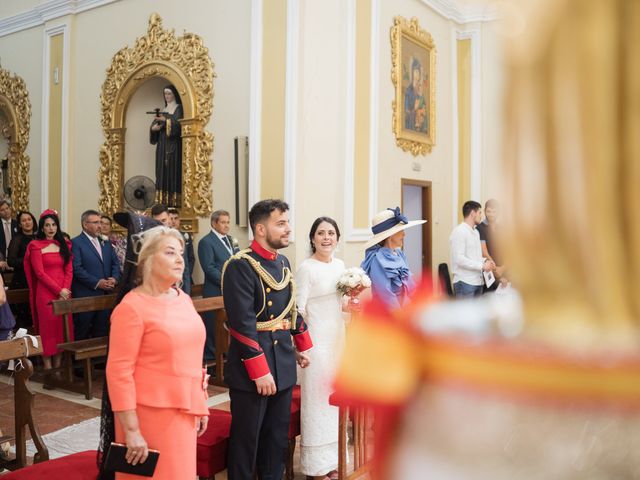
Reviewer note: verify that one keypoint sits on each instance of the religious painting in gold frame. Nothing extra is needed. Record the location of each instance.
(15, 109)
(413, 72)
(183, 61)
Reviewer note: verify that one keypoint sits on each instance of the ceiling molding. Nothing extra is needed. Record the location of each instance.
(45, 12)
(462, 12)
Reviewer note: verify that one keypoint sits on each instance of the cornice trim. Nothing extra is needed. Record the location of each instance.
(462, 14)
(45, 12)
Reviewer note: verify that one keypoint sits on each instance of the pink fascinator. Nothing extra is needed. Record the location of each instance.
(49, 211)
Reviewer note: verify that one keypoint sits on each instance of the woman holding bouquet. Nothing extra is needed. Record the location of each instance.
(384, 260)
(320, 304)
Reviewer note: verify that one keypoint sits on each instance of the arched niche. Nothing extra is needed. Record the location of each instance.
(15, 126)
(183, 62)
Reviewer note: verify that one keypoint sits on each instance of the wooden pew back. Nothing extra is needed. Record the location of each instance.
(18, 296)
(19, 348)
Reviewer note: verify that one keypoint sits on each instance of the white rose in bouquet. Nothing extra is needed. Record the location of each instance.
(353, 281)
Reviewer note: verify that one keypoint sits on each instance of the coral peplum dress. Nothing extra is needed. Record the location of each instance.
(46, 275)
(155, 367)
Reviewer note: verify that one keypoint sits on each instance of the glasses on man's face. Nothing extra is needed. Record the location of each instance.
(93, 223)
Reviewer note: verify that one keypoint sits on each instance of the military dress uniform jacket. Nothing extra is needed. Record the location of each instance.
(249, 300)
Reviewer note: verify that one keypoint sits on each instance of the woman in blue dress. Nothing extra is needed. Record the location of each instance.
(384, 260)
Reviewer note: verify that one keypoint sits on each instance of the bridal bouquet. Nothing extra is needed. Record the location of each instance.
(352, 282)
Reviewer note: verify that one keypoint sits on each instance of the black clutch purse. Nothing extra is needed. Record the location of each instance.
(116, 461)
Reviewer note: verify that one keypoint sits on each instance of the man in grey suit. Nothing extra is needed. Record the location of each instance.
(213, 251)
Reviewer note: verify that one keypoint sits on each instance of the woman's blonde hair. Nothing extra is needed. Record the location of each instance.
(147, 243)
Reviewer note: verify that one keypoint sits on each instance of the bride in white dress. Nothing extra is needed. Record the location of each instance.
(320, 304)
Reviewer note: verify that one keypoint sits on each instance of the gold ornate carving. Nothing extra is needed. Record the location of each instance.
(184, 62)
(14, 103)
(407, 34)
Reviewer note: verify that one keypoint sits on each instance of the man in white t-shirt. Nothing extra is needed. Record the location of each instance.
(467, 263)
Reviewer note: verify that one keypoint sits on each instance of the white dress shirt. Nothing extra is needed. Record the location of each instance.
(95, 242)
(6, 226)
(228, 246)
(466, 255)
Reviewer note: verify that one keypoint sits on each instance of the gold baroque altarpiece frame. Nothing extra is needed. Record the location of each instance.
(414, 127)
(15, 104)
(184, 62)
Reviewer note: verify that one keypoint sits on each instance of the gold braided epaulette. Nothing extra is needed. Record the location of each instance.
(235, 256)
(266, 277)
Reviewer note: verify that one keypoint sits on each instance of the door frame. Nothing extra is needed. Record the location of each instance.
(427, 190)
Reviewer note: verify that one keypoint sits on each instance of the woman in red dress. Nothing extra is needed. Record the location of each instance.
(48, 268)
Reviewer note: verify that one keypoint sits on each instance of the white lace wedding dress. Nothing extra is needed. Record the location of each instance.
(319, 303)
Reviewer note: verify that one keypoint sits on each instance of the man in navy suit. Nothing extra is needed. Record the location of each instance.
(96, 271)
(214, 250)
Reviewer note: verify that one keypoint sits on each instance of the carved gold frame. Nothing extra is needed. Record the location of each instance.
(417, 143)
(14, 103)
(184, 62)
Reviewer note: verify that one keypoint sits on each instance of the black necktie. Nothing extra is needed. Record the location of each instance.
(226, 242)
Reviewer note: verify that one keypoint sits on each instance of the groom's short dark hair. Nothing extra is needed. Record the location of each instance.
(261, 211)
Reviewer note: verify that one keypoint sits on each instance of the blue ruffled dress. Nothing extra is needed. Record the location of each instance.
(391, 279)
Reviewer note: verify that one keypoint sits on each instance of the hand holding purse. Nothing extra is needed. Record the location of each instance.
(116, 461)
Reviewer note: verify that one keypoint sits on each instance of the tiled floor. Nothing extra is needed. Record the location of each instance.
(56, 409)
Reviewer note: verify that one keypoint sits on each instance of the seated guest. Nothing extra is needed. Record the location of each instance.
(189, 255)
(96, 271)
(385, 263)
(49, 271)
(154, 371)
(118, 242)
(214, 250)
(17, 249)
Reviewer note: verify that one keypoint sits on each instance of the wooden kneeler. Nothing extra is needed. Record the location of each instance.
(19, 349)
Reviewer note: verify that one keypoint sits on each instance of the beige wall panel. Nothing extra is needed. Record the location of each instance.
(464, 123)
(362, 114)
(274, 49)
(22, 54)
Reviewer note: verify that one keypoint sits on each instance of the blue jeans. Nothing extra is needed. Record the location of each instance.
(464, 290)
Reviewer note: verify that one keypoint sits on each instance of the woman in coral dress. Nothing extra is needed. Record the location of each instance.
(49, 271)
(156, 382)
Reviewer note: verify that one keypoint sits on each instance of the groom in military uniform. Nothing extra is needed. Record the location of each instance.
(259, 298)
